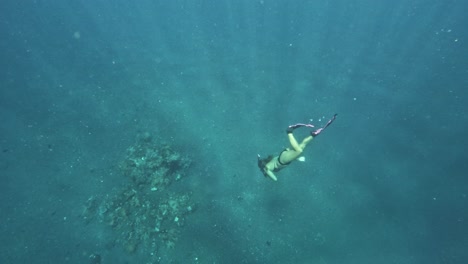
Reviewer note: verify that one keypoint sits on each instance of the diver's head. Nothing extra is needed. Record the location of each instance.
(261, 163)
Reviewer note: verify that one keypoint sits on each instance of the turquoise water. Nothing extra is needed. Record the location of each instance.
(221, 81)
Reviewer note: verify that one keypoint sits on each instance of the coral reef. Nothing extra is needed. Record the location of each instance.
(147, 213)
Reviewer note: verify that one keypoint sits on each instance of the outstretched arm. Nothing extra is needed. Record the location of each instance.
(271, 174)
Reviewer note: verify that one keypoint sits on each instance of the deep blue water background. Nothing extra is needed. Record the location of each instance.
(221, 80)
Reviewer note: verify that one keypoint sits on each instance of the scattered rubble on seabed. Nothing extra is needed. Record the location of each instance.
(147, 213)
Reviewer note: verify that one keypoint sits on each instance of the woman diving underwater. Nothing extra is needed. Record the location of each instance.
(273, 164)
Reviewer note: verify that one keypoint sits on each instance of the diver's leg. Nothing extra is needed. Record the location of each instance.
(289, 155)
(306, 141)
(293, 142)
(292, 154)
(292, 139)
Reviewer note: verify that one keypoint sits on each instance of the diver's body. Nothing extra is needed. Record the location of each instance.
(271, 164)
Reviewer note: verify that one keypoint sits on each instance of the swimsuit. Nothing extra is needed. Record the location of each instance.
(278, 164)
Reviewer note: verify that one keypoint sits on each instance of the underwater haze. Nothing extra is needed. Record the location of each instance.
(85, 85)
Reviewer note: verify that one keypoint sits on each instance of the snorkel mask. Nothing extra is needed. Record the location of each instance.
(261, 165)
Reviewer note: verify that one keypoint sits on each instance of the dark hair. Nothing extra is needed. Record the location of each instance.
(263, 162)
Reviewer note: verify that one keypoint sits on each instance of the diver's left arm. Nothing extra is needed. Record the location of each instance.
(271, 174)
